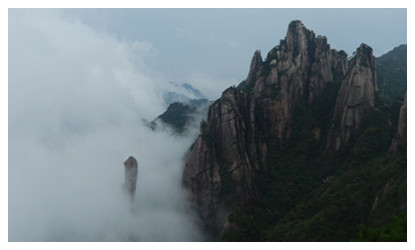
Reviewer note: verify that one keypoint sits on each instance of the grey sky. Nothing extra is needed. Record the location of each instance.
(214, 46)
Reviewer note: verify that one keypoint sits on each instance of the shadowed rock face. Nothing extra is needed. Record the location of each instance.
(222, 155)
(221, 165)
(355, 98)
(131, 170)
(400, 138)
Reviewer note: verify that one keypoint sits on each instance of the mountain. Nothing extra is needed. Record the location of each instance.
(192, 90)
(179, 115)
(355, 99)
(391, 73)
(182, 93)
(186, 105)
(290, 153)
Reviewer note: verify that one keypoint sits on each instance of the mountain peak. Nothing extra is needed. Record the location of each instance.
(364, 50)
(295, 26)
(298, 39)
(183, 93)
(256, 62)
(355, 98)
(193, 90)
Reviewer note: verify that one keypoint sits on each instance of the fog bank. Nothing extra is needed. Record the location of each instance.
(77, 98)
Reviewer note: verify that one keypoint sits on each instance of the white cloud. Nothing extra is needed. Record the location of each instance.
(76, 100)
(210, 86)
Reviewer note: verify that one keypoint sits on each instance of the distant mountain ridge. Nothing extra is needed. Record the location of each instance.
(186, 105)
(182, 93)
(178, 115)
(392, 74)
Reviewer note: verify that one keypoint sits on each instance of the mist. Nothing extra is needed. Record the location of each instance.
(77, 98)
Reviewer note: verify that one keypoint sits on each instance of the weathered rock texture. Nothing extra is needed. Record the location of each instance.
(231, 150)
(131, 170)
(399, 141)
(355, 99)
(221, 156)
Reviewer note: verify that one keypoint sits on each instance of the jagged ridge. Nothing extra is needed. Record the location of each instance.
(248, 124)
(246, 119)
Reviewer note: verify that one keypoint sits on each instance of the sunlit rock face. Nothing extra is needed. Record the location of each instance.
(231, 150)
(355, 99)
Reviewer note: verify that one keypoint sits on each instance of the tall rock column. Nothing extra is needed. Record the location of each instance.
(400, 138)
(355, 98)
(131, 170)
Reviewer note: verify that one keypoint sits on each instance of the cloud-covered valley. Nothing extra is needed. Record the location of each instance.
(77, 97)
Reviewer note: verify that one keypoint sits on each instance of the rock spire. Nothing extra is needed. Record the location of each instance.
(355, 99)
(131, 171)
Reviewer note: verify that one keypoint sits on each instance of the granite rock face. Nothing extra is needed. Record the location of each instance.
(355, 99)
(220, 156)
(230, 152)
(400, 138)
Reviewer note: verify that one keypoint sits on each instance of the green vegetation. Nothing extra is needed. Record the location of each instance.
(392, 73)
(359, 194)
(359, 197)
(337, 209)
(177, 115)
(394, 231)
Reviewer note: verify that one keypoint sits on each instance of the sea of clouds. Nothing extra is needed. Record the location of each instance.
(77, 98)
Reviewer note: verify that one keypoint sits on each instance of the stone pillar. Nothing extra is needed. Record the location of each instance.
(131, 170)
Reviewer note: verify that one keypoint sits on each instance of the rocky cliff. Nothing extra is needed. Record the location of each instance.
(271, 155)
(231, 151)
(220, 156)
(399, 141)
(355, 99)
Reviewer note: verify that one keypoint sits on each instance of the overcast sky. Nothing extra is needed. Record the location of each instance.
(212, 48)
